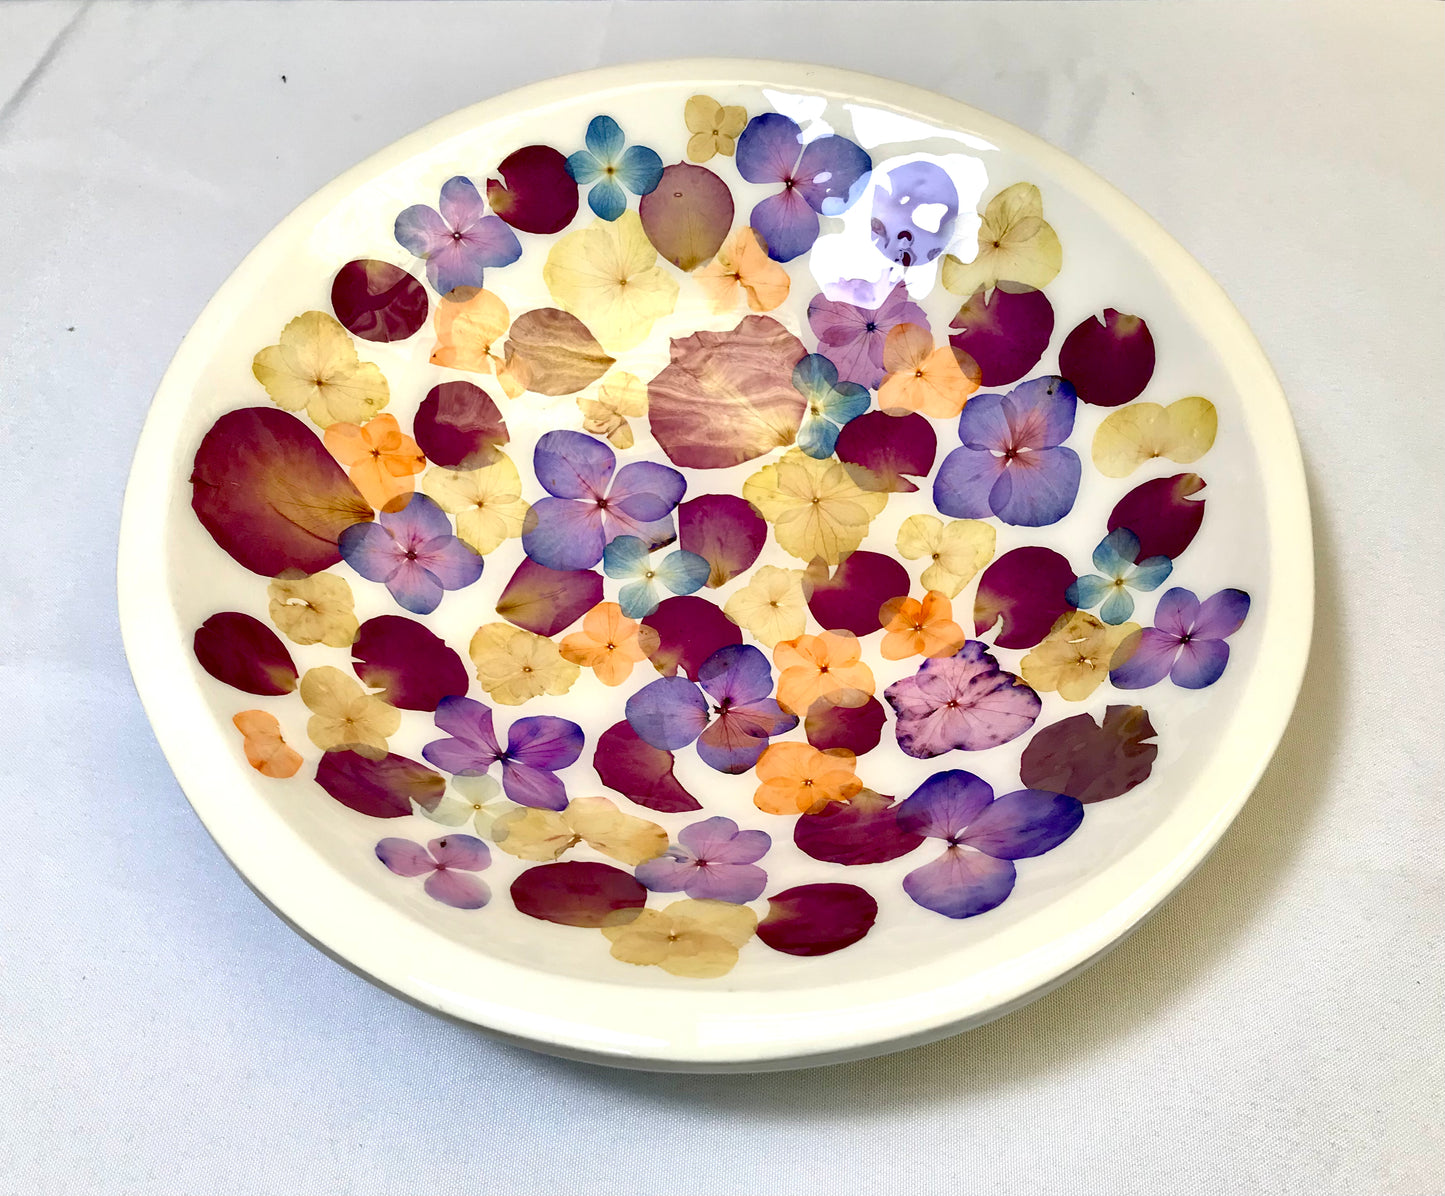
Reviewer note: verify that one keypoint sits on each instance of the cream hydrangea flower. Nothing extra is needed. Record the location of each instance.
(478, 799)
(1074, 657)
(714, 127)
(533, 834)
(817, 510)
(622, 396)
(958, 549)
(773, 605)
(515, 666)
(1183, 431)
(314, 366)
(697, 939)
(343, 715)
(313, 610)
(1015, 244)
(487, 502)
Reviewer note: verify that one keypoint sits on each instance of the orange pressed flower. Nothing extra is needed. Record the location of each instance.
(379, 457)
(609, 643)
(936, 382)
(266, 751)
(914, 628)
(821, 666)
(797, 777)
(743, 261)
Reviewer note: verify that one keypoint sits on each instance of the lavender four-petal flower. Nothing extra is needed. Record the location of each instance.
(852, 337)
(537, 747)
(984, 834)
(711, 861)
(446, 863)
(588, 508)
(672, 712)
(1012, 463)
(1186, 643)
(411, 550)
(460, 241)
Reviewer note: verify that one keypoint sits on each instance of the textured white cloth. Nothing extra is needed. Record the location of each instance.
(1276, 1028)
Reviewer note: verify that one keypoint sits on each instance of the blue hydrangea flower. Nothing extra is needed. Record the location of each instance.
(1120, 570)
(613, 168)
(629, 558)
(831, 404)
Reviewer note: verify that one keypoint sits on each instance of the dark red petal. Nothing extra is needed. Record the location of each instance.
(1111, 362)
(857, 728)
(244, 652)
(851, 598)
(458, 426)
(382, 788)
(1025, 588)
(691, 630)
(1161, 514)
(413, 668)
(545, 601)
(817, 919)
(535, 194)
(862, 830)
(724, 530)
(640, 772)
(378, 301)
(578, 893)
(1088, 761)
(882, 451)
(270, 494)
(687, 216)
(1005, 334)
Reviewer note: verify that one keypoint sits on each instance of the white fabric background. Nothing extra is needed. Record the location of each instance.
(1277, 1028)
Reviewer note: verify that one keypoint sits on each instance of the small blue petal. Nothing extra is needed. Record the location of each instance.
(638, 599)
(607, 199)
(848, 401)
(1116, 552)
(1150, 573)
(818, 437)
(683, 572)
(640, 170)
(815, 376)
(605, 139)
(1117, 607)
(1088, 591)
(584, 168)
(625, 557)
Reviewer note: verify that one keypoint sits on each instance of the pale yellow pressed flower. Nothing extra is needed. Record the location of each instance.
(1074, 657)
(608, 277)
(313, 610)
(714, 127)
(487, 502)
(343, 715)
(622, 396)
(697, 939)
(817, 510)
(773, 605)
(314, 366)
(515, 666)
(476, 798)
(532, 834)
(1015, 244)
(958, 549)
(1183, 431)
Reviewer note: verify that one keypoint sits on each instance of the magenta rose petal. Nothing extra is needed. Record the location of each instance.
(378, 301)
(458, 426)
(545, 601)
(856, 728)
(883, 451)
(413, 668)
(535, 193)
(270, 494)
(859, 587)
(640, 772)
(578, 893)
(725, 531)
(862, 830)
(1162, 513)
(817, 919)
(1109, 361)
(1025, 588)
(687, 215)
(242, 651)
(382, 788)
(1092, 761)
(690, 629)
(1006, 333)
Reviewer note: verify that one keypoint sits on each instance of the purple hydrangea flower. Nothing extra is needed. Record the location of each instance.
(411, 550)
(961, 701)
(459, 241)
(1012, 463)
(446, 863)
(589, 508)
(984, 834)
(1186, 643)
(852, 337)
(536, 748)
(672, 712)
(711, 861)
(824, 176)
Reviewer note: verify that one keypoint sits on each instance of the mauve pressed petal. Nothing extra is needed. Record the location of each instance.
(646, 490)
(577, 893)
(857, 728)
(470, 721)
(964, 701)
(461, 203)
(731, 743)
(669, 713)
(736, 673)
(787, 225)
(1177, 613)
(1027, 822)
(1221, 615)
(460, 890)
(378, 301)
(735, 883)
(687, 214)
(1199, 663)
(963, 488)
(564, 534)
(850, 600)
(725, 531)
(371, 550)
(1154, 653)
(457, 757)
(1091, 761)
(1005, 334)
(829, 173)
(414, 587)
(945, 804)
(452, 563)
(537, 787)
(1040, 412)
(862, 830)
(413, 669)
(744, 847)
(1038, 488)
(454, 265)
(640, 772)
(545, 601)
(458, 426)
(961, 883)
(704, 840)
(572, 465)
(385, 788)
(535, 193)
(545, 741)
(768, 149)
(404, 857)
(460, 851)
